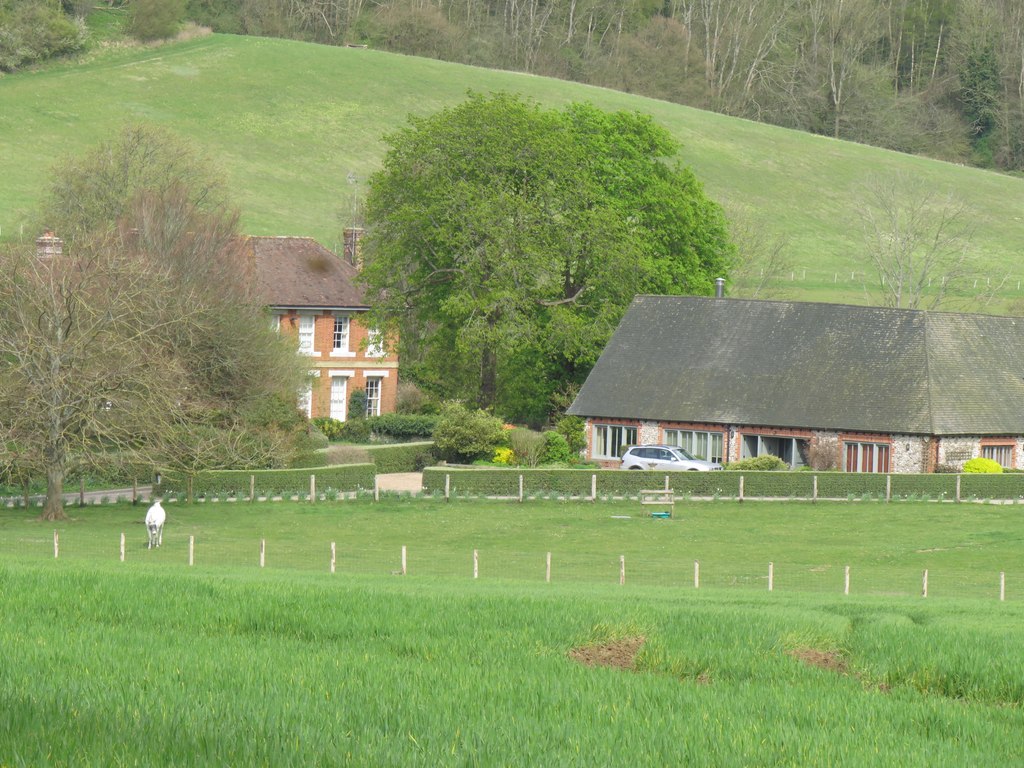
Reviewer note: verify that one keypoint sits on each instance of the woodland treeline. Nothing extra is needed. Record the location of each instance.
(943, 78)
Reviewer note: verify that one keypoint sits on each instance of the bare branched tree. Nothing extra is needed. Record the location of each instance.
(916, 238)
(81, 364)
(761, 260)
(142, 340)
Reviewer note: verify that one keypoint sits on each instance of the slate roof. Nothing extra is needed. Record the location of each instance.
(299, 272)
(815, 366)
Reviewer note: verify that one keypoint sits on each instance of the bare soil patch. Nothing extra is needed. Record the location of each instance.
(620, 654)
(813, 657)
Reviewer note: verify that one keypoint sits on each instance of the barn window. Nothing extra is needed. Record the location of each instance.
(867, 457)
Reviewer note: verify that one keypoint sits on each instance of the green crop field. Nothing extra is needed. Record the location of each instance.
(290, 122)
(152, 662)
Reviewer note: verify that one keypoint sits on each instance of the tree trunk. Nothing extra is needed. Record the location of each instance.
(53, 509)
(488, 378)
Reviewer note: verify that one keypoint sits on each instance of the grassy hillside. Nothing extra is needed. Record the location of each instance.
(289, 122)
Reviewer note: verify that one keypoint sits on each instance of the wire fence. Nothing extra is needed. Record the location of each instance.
(680, 571)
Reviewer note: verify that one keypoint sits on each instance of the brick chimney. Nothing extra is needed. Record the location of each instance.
(49, 245)
(351, 250)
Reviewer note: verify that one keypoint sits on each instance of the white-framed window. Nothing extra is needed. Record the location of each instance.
(374, 343)
(1000, 453)
(307, 329)
(702, 445)
(341, 335)
(867, 457)
(339, 397)
(373, 395)
(609, 439)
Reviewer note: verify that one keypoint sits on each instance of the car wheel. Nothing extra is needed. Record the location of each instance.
(636, 467)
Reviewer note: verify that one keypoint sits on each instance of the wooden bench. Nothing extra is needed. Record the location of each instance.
(663, 497)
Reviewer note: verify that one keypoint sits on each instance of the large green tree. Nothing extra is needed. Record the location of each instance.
(505, 241)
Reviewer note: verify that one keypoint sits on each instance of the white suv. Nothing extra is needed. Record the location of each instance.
(664, 457)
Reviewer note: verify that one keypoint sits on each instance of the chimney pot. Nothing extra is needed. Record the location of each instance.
(49, 245)
(719, 287)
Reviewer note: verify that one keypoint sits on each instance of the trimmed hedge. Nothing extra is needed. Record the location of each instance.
(401, 457)
(725, 484)
(274, 482)
(575, 482)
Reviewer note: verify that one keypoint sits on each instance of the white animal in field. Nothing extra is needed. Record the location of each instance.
(156, 516)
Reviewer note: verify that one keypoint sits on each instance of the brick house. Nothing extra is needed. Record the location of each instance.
(861, 389)
(313, 295)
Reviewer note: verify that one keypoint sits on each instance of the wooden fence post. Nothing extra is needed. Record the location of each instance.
(814, 492)
(520, 488)
(476, 564)
(622, 569)
(696, 574)
(666, 483)
(593, 487)
(334, 554)
(771, 576)
(547, 572)
(122, 546)
(888, 487)
(447, 486)
(312, 487)
(924, 584)
(404, 562)
(741, 487)
(846, 580)
(252, 487)
(263, 552)
(1002, 586)
(376, 487)
(958, 489)
(56, 545)
(191, 550)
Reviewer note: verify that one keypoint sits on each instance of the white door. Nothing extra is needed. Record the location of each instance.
(339, 397)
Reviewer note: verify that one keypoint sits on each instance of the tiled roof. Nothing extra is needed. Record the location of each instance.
(815, 366)
(299, 272)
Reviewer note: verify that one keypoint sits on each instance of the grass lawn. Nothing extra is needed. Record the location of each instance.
(887, 546)
(150, 662)
(289, 122)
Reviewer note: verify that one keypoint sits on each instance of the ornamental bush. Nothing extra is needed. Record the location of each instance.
(463, 435)
(527, 445)
(330, 427)
(355, 431)
(983, 466)
(766, 463)
(504, 456)
(556, 450)
(572, 428)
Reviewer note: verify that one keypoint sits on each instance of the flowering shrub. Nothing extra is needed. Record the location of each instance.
(981, 465)
(504, 456)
